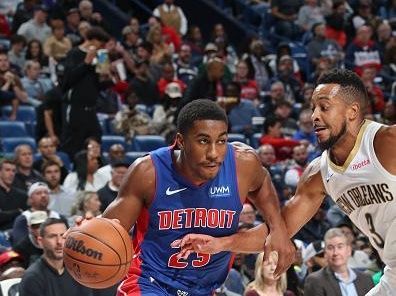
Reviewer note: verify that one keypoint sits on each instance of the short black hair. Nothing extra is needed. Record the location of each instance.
(351, 86)
(97, 33)
(201, 109)
(270, 121)
(48, 222)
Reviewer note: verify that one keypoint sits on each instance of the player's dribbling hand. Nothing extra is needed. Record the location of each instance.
(277, 240)
(197, 243)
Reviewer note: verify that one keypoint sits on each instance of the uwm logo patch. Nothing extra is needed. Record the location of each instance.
(219, 191)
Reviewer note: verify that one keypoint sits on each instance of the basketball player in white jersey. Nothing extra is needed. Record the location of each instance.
(357, 169)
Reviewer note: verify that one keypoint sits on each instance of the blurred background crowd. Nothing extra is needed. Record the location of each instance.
(88, 87)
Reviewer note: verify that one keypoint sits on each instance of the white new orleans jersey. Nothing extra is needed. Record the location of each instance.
(363, 189)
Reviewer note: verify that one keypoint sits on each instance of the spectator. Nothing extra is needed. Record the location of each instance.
(57, 45)
(35, 85)
(82, 85)
(61, 199)
(48, 276)
(130, 121)
(363, 16)
(85, 177)
(162, 52)
(383, 35)
(321, 46)
(38, 198)
(195, 40)
(309, 14)
(306, 129)
(285, 14)
(276, 94)
(375, 94)
(87, 13)
(185, 70)
(283, 111)
(109, 192)
(87, 203)
(241, 112)
(249, 87)
(11, 84)
(34, 52)
(26, 175)
(264, 283)
(248, 215)
(12, 199)
(337, 276)
(23, 13)
(296, 168)
(335, 24)
(16, 54)
(363, 51)
(172, 15)
(36, 28)
(71, 28)
(273, 135)
(168, 76)
(116, 154)
(130, 41)
(47, 149)
(28, 247)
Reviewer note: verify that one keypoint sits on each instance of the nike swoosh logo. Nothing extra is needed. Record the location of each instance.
(328, 177)
(171, 192)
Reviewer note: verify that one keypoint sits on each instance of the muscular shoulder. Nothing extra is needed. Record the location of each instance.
(246, 158)
(384, 143)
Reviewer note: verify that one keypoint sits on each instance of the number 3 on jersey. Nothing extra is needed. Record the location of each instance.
(202, 260)
(375, 235)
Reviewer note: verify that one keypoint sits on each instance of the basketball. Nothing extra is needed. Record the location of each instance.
(98, 253)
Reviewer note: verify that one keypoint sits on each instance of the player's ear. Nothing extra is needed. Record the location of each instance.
(179, 141)
(353, 111)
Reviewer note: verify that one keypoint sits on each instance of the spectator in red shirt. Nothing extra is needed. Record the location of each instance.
(272, 135)
(249, 88)
(168, 76)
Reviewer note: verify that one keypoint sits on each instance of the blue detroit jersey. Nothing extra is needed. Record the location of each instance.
(179, 208)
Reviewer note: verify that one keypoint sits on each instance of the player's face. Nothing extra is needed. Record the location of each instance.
(204, 148)
(337, 252)
(329, 114)
(52, 241)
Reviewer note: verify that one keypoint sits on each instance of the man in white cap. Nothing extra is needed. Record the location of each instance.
(38, 199)
(29, 247)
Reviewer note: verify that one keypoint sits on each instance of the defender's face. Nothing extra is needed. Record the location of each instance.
(205, 146)
(329, 114)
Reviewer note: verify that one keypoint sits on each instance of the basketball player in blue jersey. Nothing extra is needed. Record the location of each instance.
(198, 185)
(357, 169)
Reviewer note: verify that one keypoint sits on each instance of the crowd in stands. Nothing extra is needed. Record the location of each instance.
(90, 99)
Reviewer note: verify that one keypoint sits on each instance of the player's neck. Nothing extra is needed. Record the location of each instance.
(344, 146)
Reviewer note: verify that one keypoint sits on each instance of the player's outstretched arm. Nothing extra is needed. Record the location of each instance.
(309, 196)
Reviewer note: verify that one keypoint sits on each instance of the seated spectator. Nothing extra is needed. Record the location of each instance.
(16, 54)
(363, 15)
(38, 198)
(11, 266)
(169, 34)
(164, 116)
(195, 40)
(375, 94)
(264, 283)
(12, 200)
(184, 68)
(85, 177)
(172, 15)
(240, 112)
(71, 27)
(337, 276)
(248, 215)
(116, 153)
(162, 52)
(335, 23)
(305, 128)
(130, 121)
(36, 28)
(11, 85)
(309, 14)
(35, 85)
(283, 111)
(26, 175)
(249, 88)
(168, 76)
(276, 94)
(47, 149)
(28, 247)
(273, 135)
(57, 45)
(130, 41)
(34, 52)
(297, 166)
(48, 276)
(363, 51)
(87, 203)
(61, 199)
(94, 18)
(109, 192)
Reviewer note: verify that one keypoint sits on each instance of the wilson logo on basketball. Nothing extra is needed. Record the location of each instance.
(79, 247)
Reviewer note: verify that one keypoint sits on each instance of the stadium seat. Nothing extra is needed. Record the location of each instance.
(131, 156)
(237, 138)
(146, 143)
(24, 113)
(12, 129)
(9, 144)
(109, 140)
(10, 286)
